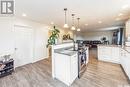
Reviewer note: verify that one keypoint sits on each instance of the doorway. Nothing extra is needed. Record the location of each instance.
(23, 45)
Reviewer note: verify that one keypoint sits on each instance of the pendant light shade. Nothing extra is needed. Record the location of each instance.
(65, 24)
(78, 29)
(78, 24)
(73, 27)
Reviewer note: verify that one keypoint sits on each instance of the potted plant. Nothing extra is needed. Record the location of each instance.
(54, 36)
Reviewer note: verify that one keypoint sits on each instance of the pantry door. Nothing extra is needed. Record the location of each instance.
(23, 45)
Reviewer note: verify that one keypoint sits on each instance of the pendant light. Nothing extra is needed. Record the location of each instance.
(73, 27)
(65, 25)
(78, 24)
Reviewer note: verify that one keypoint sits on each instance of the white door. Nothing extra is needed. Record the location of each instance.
(23, 45)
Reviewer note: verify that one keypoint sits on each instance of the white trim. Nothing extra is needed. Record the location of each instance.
(32, 38)
(22, 26)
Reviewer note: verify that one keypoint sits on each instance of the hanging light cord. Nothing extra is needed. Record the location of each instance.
(65, 9)
(78, 21)
(73, 19)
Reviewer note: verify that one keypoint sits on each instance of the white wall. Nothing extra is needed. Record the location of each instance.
(6, 36)
(64, 32)
(95, 35)
(40, 37)
(7, 42)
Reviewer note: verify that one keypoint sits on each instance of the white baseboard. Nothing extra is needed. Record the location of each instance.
(39, 59)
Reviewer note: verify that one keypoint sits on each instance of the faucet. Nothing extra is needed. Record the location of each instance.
(73, 43)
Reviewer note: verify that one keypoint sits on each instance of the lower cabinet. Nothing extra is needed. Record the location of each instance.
(109, 54)
(74, 68)
(115, 55)
(66, 68)
(125, 62)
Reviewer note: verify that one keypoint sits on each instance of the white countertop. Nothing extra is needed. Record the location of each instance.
(126, 48)
(66, 51)
(110, 45)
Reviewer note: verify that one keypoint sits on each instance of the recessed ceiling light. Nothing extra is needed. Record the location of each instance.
(24, 15)
(125, 6)
(120, 14)
(86, 24)
(99, 22)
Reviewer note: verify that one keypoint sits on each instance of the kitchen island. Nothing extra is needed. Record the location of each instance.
(66, 66)
(64, 63)
(115, 54)
(109, 53)
(125, 60)
(69, 61)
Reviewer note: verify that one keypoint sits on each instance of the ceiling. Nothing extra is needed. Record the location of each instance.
(109, 12)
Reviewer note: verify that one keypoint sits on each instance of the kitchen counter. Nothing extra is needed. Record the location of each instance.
(126, 49)
(125, 60)
(109, 53)
(115, 54)
(64, 43)
(110, 45)
(65, 64)
(66, 51)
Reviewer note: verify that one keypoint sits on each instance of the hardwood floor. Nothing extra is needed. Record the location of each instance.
(98, 74)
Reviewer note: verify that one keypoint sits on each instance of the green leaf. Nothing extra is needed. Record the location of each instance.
(53, 37)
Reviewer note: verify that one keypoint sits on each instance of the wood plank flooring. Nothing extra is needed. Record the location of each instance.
(98, 74)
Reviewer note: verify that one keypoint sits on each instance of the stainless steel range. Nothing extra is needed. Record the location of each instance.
(82, 59)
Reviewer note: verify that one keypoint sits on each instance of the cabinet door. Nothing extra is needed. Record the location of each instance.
(128, 64)
(122, 57)
(62, 67)
(125, 62)
(74, 67)
(115, 54)
(104, 53)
